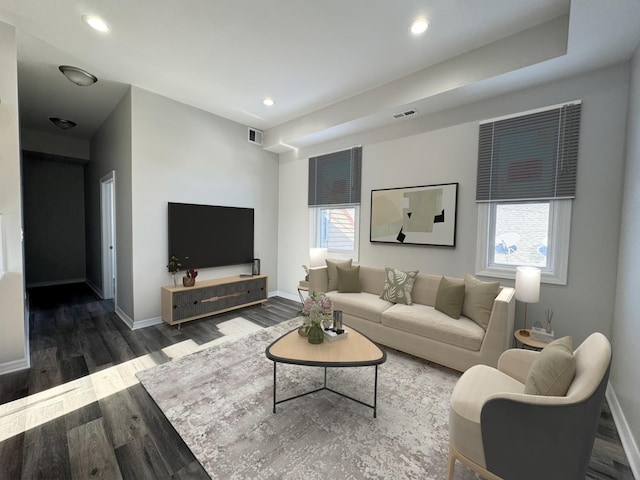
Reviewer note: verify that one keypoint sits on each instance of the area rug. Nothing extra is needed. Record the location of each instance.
(220, 402)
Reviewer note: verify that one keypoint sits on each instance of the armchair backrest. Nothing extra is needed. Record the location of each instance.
(592, 360)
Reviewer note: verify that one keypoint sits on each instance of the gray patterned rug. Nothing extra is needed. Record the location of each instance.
(220, 402)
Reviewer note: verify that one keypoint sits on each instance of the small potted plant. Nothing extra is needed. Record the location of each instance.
(174, 267)
(189, 280)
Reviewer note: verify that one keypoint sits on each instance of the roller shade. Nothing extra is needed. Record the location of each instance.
(529, 157)
(335, 178)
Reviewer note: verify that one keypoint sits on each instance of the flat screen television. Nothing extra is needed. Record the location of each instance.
(209, 235)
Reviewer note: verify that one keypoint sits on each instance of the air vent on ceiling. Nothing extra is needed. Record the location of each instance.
(254, 136)
(406, 113)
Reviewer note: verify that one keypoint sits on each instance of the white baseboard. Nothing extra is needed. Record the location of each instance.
(624, 430)
(56, 282)
(149, 322)
(94, 287)
(128, 321)
(288, 296)
(15, 366)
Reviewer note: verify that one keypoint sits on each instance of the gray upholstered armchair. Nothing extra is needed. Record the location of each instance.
(501, 432)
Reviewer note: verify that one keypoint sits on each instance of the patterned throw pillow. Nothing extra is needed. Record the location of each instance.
(398, 286)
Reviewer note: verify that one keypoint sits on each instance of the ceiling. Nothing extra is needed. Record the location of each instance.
(333, 67)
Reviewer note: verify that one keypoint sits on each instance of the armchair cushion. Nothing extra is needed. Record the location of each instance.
(474, 388)
(553, 370)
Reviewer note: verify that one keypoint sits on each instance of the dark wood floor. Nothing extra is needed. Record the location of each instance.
(125, 435)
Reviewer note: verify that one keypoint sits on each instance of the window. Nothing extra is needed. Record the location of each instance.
(526, 181)
(334, 201)
(335, 228)
(536, 234)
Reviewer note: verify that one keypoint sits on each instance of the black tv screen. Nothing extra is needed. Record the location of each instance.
(210, 236)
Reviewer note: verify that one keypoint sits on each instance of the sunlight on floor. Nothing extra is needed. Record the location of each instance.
(29, 412)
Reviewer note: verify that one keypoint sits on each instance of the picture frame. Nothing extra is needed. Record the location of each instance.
(421, 215)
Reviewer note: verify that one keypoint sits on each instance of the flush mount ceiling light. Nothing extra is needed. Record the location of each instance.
(78, 76)
(62, 123)
(268, 102)
(96, 23)
(420, 26)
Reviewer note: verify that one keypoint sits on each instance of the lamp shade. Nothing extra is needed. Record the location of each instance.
(528, 284)
(317, 256)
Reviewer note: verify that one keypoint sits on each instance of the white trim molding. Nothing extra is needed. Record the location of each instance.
(624, 431)
(15, 366)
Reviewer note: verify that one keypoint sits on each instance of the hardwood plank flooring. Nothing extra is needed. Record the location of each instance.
(103, 424)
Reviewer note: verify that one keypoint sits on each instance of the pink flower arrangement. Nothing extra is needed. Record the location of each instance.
(317, 309)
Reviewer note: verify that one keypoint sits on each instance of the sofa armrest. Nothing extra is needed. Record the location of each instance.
(318, 280)
(516, 363)
(498, 338)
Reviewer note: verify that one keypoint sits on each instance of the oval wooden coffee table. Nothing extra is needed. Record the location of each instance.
(354, 351)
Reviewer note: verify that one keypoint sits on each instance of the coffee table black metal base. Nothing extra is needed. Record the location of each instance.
(324, 387)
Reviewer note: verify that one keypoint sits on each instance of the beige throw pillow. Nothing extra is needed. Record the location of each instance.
(349, 280)
(332, 272)
(552, 372)
(478, 299)
(450, 297)
(398, 285)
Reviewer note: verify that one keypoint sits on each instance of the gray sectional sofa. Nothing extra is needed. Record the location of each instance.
(420, 329)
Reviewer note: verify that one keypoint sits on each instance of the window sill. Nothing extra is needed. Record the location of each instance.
(510, 273)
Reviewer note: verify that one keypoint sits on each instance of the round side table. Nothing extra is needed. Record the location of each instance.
(528, 340)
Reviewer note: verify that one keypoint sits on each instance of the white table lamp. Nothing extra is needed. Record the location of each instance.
(317, 256)
(527, 290)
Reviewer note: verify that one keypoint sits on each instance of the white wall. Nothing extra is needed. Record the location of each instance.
(13, 351)
(625, 372)
(182, 154)
(111, 151)
(65, 145)
(443, 148)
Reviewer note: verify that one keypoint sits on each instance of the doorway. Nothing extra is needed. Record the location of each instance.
(108, 229)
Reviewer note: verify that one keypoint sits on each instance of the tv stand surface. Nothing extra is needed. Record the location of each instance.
(209, 297)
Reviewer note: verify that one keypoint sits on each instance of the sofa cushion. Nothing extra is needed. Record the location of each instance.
(332, 272)
(450, 297)
(428, 322)
(478, 299)
(398, 285)
(349, 280)
(553, 371)
(363, 305)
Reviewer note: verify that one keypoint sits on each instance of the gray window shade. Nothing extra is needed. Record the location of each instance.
(335, 178)
(529, 157)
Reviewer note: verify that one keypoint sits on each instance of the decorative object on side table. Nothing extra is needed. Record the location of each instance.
(317, 314)
(174, 267)
(336, 332)
(189, 280)
(527, 290)
(542, 334)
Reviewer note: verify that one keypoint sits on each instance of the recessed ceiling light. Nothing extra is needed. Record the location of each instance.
(95, 22)
(420, 26)
(62, 123)
(268, 102)
(78, 76)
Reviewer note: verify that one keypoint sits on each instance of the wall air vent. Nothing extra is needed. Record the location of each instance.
(406, 113)
(254, 136)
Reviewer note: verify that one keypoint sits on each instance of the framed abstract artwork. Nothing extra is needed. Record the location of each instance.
(424, 215)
